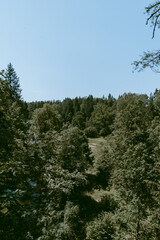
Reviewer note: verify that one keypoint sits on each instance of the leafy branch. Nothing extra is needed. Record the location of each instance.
(150, 59)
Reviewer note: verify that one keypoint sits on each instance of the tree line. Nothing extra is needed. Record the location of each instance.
(92, 115)
(49, 176)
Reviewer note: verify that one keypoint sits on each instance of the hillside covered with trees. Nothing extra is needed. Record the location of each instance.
(55, 183)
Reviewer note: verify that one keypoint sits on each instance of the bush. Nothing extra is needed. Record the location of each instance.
(104, 132)
(91, 132)
(100, 228)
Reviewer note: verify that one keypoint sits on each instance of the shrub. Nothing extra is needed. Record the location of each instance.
(91, 132)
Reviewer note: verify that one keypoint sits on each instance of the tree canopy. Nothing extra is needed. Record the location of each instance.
(80, 169)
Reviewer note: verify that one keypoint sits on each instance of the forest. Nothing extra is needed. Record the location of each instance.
(82, 168)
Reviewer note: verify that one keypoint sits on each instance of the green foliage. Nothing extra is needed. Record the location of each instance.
(50, 185)
(46, 119)
(91, 132)
(61, 162)
(10, 77)
(67, 110)
(131, 164)
(100, 228)
(87, 106)
(76, 105)
(150, 59)
(74, 153)
(79, 120)
(15, 199)
(102, 118)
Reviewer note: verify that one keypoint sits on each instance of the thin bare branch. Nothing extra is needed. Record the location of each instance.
(152, 6)
(152, 15)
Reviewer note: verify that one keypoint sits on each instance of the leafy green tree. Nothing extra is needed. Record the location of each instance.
(76, 105)
(131, 164)
(102, 118)
(46, 119)
(100, 228)
(61, 159)
(156, 101)
(87, 106)
(64, 177)
(91, 132)
(67, 110)
(79, 120)
(74, 154)
(131, 118)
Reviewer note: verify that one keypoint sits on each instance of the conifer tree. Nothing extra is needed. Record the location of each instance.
(13, 160)
(12, 80)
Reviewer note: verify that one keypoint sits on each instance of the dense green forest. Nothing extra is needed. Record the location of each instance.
(83, 168)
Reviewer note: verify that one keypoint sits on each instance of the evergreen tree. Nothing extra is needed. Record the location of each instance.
(76, 105)
(87, 106)
(67, 110)
(12, 80)
(14, 208)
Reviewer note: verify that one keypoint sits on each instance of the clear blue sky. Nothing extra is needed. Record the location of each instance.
(69, 48)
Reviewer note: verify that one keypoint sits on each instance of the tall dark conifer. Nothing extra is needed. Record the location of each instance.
(12, 80)
(14, 167)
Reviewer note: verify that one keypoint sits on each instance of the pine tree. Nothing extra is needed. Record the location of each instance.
(12, 80)
(14, 189)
